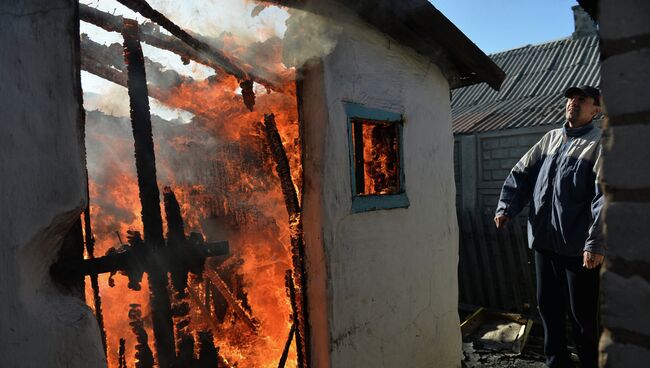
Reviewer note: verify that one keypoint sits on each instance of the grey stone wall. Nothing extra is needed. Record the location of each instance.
(625, 288)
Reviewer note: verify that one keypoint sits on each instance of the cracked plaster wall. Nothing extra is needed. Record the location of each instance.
(43, 186)
(382, 284)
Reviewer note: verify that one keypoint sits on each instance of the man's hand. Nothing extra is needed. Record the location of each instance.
(500, 221)
(592, 260)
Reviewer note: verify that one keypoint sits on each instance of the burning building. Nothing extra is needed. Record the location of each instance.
(307, 213)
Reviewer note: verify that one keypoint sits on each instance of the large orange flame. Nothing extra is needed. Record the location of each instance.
(224, 180)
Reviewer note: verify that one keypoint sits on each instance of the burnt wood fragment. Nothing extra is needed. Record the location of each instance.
(287, 345)
(94, 282)
(150, 34)
(176, 241)
(295, 316)
(131, 260)
(299, 301)
(143, 353)
(121, 351)
(145, 163)
(239, 310)
(208, 353)
(247, 93)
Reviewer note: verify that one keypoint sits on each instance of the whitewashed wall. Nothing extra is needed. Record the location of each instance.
(42, 189)
(383, 284)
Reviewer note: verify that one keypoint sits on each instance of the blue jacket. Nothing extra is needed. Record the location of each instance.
(558, 176)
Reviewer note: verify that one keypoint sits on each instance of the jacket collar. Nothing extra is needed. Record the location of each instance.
(576, 132)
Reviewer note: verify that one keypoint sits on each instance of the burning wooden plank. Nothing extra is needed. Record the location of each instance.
(208, 353)
(299, 297)
(287, 345)
(121, 357)
(188, 47)
(218, 282)
(145, 163)
(143, 353)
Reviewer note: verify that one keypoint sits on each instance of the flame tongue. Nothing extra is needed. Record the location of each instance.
(223, 178)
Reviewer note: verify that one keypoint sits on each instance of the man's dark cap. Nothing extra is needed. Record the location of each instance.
(587, 91)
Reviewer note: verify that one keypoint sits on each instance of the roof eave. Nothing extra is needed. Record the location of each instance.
(420, 26)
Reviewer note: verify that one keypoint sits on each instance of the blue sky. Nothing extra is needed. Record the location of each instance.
(498, 25)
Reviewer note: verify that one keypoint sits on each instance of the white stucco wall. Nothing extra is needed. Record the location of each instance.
(42, 187)
(382, 284)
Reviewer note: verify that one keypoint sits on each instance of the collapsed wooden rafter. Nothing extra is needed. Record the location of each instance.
(188, 47)
(218, 282)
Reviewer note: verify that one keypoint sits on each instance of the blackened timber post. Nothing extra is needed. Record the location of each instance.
(94, 281)
(299, 297)
(145, 163)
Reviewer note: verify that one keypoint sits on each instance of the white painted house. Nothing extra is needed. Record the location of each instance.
(382, 258)
(378, 197)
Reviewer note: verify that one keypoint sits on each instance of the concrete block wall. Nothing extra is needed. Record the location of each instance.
(625, 288)
(484, 160)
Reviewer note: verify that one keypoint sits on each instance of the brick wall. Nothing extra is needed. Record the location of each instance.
(625, 289)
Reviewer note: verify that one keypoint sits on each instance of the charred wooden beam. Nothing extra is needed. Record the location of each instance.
(113, 56)
(145, 163)
(248, 94)
(297, 243)
(287, 345)
(226, 62)
(295, 316)
(184, 339)
(94, 282)
(143, 353)
(121, 351)
(134, 260)
(221, 286)
(192, 50)
(176, 240)
(208, 353)
(120, 78)
(205, 310)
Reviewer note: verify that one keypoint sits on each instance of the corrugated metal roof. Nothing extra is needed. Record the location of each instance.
(532, 93)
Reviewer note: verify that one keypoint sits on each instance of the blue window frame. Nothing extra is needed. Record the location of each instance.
(376, 158)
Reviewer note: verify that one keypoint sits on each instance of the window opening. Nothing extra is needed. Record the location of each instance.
(376, 159)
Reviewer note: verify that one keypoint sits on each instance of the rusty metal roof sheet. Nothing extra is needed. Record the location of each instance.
(532, 93)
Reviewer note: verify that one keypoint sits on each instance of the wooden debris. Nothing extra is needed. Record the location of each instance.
(145, 163)
(247, 93)
(300, 343)
(239, 310)
(121, 358)
(296, 233)
(143, 353)
(496, 331)
(208, 353)
(205, 310)
(287, 345)
(228, 63)
(94, 282)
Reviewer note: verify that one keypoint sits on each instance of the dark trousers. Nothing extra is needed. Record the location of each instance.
(563, 284)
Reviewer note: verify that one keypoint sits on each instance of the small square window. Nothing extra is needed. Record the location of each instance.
(376, 159)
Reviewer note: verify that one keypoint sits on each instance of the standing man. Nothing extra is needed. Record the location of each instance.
(558, 176)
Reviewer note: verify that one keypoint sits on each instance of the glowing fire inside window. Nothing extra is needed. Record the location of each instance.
(376, 157)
